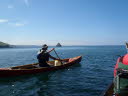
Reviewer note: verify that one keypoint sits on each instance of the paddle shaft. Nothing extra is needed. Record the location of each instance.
(58, 56)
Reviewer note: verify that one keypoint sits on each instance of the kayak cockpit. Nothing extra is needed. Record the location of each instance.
(54, 63)
(36, 65)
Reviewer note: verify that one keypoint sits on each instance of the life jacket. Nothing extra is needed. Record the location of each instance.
(122, 62)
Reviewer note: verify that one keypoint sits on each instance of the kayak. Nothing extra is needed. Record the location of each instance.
(34, 68)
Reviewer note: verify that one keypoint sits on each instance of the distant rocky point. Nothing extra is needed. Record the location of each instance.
(58, 45)
(4, 45)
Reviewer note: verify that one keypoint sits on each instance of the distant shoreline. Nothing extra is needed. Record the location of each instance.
(39, 46)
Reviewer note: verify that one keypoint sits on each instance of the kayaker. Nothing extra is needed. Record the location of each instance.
(43, 56)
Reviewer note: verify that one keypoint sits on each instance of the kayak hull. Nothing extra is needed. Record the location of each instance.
(25, 69)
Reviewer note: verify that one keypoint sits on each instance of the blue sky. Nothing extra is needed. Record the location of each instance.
(70, 22)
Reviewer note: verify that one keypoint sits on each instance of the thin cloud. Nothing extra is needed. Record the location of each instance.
(10, 6)
(14, 23)
(3, 20)
(17, 24)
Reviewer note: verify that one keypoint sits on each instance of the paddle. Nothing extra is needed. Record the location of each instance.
(51, 50)
(58, 56)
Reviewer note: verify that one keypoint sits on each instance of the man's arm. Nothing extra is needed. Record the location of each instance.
(51, 50)
(55, 58)
(52, 57)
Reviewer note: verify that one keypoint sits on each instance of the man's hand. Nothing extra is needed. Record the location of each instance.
(51, 50)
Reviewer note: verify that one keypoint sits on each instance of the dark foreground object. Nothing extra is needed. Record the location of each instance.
(32, 69)
(109, 91)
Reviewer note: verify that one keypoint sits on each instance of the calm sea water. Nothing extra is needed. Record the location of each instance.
(89, 78)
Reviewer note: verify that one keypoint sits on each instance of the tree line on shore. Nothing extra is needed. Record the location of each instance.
(6, 45)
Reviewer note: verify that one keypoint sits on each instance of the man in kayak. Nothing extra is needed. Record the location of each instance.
(43, 56)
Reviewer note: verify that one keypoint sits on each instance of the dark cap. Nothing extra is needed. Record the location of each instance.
(44, 47)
